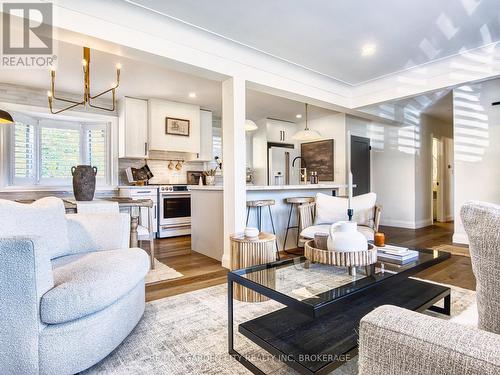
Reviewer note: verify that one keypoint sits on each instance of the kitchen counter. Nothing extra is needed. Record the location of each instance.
(274, 187)
(207, 217)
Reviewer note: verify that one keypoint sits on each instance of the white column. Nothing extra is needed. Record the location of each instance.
(234, 160)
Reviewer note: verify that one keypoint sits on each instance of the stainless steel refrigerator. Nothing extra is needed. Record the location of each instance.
(279, 163)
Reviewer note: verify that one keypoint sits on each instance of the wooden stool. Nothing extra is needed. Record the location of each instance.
(258, 204)
(295, 201)
(247, 252)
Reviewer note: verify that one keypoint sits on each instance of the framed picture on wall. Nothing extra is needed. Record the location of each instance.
(177, 126)
(319, 157)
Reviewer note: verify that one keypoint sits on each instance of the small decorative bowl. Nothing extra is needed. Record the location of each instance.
(251, 233)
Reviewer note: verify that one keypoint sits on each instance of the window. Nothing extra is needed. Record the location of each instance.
(43, 151)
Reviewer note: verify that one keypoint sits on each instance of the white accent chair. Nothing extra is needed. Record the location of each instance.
(71, 288)
(317, 217)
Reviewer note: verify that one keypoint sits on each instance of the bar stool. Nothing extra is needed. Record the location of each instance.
(258, 204)
(293, 202)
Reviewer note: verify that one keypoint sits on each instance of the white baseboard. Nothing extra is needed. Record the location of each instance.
(423, 223)
(460, 238)
(398, 223)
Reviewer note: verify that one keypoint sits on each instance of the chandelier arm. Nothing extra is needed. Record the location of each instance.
(66, 100)
(103, 108)
(63, 109)
(102, 93)
(53, 92)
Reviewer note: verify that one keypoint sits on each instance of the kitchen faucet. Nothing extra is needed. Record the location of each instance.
(303, 171)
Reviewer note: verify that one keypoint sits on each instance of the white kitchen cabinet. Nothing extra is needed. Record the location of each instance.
(206, 135)
(133, 128)
(159, 140)
(280, 131)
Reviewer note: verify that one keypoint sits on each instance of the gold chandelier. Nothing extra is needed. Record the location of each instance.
(87, 97)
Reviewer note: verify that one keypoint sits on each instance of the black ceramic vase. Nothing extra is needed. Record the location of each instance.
(84, 182)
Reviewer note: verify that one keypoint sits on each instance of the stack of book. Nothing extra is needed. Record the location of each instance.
(396, 254)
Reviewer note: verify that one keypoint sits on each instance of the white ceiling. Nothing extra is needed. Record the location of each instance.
(138, 79)
(260, 105)
(327, 36)
(149, 80)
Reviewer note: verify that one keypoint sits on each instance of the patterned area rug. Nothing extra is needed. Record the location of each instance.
(161, 272)
(452, 249)
(187, 334)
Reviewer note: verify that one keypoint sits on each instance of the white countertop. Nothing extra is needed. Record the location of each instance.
(274, 187)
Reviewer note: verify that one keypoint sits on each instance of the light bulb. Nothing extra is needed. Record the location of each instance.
(118, 66)
(49, 94)
(52, 68)
(84, 62)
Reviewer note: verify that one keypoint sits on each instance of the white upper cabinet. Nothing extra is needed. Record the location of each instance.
(206, 135)
(133, 128)
(280, 131)
(159, 111)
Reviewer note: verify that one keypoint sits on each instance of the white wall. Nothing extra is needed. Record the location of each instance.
(476, 145)
(392, 169)
(333, 127)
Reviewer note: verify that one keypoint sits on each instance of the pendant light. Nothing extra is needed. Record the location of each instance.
(250, 126)
(306, 134)
(5, 118)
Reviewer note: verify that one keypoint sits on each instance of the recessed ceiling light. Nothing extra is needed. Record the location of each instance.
(192, 95)
(368, 49)
(298, 115)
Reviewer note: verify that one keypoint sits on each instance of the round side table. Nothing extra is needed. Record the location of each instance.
(246, 252)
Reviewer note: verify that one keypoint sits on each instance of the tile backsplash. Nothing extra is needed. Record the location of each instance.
(159, 167)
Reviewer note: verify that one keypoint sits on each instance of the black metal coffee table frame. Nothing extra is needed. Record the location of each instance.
(310, 313)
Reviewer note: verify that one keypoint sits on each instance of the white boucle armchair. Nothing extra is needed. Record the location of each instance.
(71, 288)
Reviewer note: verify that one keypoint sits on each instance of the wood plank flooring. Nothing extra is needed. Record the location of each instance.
(201, 271)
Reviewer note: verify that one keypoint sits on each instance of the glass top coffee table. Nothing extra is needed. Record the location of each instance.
(317, 330)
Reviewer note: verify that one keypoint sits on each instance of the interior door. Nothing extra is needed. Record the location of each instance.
(360, 164)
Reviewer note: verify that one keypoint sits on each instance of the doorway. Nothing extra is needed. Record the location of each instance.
(442, 180)
(360, 164)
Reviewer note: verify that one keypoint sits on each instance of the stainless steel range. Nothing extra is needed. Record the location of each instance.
(174, 205)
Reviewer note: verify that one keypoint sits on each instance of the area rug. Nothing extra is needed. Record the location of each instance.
(452, 249)
(187, 334)
(161, 272)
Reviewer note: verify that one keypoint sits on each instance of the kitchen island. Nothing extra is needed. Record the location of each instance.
(207, 220)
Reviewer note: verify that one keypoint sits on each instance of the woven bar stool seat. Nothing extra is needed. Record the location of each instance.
(258, 204)
(294, 202)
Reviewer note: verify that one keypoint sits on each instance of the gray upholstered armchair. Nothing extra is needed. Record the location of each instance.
(71, 289)
(397, 341)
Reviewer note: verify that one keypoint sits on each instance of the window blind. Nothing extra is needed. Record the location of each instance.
(59, 151)
(96, 149)
(24, 154)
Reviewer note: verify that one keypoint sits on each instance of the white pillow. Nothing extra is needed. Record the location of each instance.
(330, 209)
(44, 219)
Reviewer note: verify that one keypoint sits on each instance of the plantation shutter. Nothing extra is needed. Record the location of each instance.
(24, 169)
(96, 148)
(59, 150)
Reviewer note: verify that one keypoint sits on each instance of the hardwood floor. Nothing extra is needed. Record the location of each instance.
(201, 271)
(455, 271)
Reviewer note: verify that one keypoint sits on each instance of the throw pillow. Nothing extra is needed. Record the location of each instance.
(44, 219)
